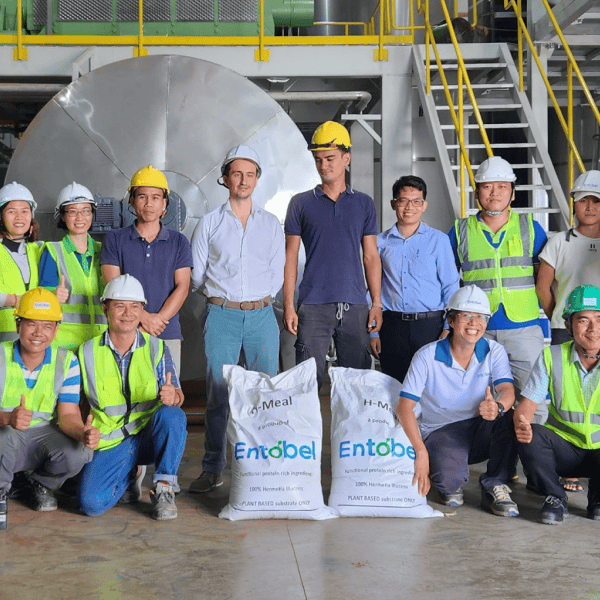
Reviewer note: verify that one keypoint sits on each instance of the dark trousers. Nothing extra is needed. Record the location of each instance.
(401, 339)
(454, 447)
(548, 457)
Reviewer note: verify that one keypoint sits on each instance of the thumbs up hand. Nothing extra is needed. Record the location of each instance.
(523, 430)
(167, 394)
(62, 292)
(91, 435)
(20, 418)
(488, 408)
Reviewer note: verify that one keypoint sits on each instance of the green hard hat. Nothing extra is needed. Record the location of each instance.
(583, 297)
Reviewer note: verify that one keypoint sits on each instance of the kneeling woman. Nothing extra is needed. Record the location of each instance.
(461, 422)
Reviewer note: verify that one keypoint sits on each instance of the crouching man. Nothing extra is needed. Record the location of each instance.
(568, 444)
(41, 430)
(461, 422)
(133, 392)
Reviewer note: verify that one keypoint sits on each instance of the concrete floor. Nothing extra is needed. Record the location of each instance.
(126, 555)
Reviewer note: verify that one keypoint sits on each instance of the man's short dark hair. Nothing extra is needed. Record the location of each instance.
(409, 181)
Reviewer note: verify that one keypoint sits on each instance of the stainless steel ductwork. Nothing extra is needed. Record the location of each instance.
(177, 113)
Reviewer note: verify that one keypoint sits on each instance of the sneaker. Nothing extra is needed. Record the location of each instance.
(498, 501)
(39, 496)
(163, 503)
(206, 482)
(133, 493)
(454, 499)
(554, 511)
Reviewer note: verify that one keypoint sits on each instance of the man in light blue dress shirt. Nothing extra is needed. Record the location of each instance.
(419, 276)
(239, 255)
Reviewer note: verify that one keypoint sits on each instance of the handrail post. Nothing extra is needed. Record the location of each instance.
(520, 48)
(139, 50)
(20, 52)
(261, 53)
(570, 160)
(380, 53)
(427, 49)
(461, 141)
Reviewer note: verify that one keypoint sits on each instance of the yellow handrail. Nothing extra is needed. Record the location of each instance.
(140, 51)
(570, 165)
(345, 24)
(261, 53)
(20, 52)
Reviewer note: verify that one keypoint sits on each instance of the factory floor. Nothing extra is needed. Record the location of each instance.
(468, 554)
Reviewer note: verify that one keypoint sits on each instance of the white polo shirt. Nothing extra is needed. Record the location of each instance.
(445, 391)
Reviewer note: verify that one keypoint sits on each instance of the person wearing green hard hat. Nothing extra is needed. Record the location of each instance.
(568, 444)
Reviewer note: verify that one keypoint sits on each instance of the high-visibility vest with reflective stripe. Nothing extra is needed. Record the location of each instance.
(41, 398)
(83, 318)
(115, 416)
(505, 273)
(11, 282)
(568, 414)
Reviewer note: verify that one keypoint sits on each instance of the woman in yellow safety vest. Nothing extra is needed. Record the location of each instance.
(19, 253)
(71, 267)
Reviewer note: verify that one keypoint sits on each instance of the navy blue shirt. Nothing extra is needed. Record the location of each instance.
(153, 264)
(332, 234)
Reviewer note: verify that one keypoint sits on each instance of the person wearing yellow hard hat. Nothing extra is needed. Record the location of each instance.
(41, 429)
(19, 252)
(160, 258)
(71, 268)
(335, 223)
(498, 250)
(568, 444)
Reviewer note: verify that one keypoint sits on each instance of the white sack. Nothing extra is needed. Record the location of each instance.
(372, 460)
(275, 431)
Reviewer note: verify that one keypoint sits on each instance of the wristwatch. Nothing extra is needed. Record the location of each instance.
(501, 410)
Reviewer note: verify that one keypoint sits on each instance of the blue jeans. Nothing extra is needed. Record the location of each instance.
(226, 332)
(161, 442)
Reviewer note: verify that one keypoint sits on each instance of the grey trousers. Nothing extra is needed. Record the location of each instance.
(46, 450)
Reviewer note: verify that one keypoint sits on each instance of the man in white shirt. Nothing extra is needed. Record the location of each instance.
(239, 255)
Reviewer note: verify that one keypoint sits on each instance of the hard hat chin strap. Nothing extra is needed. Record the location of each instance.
(493, 213)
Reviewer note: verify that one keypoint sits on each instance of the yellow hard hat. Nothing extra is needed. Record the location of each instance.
(39, 304)
(149, 177)
(330, 135)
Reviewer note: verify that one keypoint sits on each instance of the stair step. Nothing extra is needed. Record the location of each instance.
(482, 107)
(478, 86)
(481, 146)
(516, 166)
(477, 65)
(491, 126)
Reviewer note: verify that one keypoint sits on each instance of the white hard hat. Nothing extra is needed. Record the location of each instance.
(74, 193)
(16, 191)
(471, 299)
(244, 152)
(587, 184)
(495, 168)
(124, 287)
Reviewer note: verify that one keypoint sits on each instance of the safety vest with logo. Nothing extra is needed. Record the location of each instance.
(505, 273)
(11, 282)
(568, 414)
(116, 416)
(83, 318)
(41, 398)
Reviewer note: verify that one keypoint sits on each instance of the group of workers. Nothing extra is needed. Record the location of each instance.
(103, 318)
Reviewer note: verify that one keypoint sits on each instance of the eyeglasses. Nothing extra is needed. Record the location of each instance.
(468, 317)
(72, 212)
(417, 202)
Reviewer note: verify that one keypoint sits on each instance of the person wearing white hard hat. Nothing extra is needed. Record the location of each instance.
(498, 250)
(19, 253)
(238, 252)
(134, 398)
(464, 388)
(71, 268)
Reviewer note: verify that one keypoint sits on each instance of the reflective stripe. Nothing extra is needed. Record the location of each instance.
(557, 375)
(76, 318)
(77, 299)
(525, 236)
(2, 366)
(123, 431)
(120, 410)
(484, 284)
(61, 355)
(88, 358)
(519, 283)
(595, 437)
(36, 414)
(463, 243)
(565, 427)
(484, 263)
(594, 418)
(572, 416)
(515, 261)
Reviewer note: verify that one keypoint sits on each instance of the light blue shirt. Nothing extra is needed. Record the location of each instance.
(445, 391)
(235, 262)
(538, 385)
(419, 274)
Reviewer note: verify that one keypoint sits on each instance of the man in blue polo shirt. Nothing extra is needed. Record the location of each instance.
(419, 276)
(333, 221)
(159, 258)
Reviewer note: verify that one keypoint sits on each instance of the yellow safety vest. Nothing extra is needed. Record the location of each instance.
(568, 414)
(11, 282)
(113, 414)
(505, 273)
(41, 399)
(83, 318)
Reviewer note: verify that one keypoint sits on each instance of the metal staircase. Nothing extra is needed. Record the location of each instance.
(509, 122)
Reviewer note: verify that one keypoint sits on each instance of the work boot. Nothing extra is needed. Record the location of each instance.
(554, 511)
(38, 496)
(163, 502)
(206, 482)
(593, 507)
(497, 499)
(453, 499)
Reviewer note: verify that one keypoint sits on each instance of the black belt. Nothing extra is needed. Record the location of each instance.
(417, 316)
